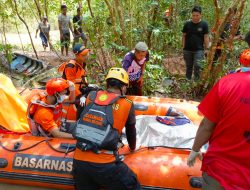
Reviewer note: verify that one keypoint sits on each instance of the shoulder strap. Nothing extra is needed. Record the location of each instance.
(39, 103)
(115, 99)
(92, 96)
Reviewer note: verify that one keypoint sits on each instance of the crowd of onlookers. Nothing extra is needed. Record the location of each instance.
(65, 26)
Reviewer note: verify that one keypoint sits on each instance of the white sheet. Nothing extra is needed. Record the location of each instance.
(152, 133)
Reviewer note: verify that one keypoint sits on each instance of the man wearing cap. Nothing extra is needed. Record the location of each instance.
(44, 28)
(194, 40)
(134, 63)
(75, 69)
(226, 128)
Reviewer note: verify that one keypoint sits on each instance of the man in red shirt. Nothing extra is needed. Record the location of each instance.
(226, 126)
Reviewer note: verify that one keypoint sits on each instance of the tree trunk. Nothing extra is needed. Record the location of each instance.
(121, 21)
(100, 40)
(38, 7)
(229, 43)
(27, 27)
(7, 49)
(153, 21)
(19, 35)
(4, 33)
(46, 8)
(208, 71)
(113, 19)
(213, 71)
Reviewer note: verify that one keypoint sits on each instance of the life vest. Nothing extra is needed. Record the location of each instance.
(79, 79)
(94, 130)
(39, 100)
(120, 110)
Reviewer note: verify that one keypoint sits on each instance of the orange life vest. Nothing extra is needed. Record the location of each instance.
(121, 109)
(38, 100)
(76, 74)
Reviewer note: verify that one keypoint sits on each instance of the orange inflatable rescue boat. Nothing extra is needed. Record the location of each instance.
(159, 162)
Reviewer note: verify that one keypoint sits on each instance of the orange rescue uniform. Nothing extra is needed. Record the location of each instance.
(74, 72)
(48, 118)
(121, 111)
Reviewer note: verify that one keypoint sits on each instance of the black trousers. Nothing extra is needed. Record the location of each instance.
(110, 176)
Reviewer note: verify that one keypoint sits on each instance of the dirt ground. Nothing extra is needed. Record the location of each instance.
(175, 64)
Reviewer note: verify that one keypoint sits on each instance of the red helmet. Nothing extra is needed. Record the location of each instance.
(56, 85)
(245, 58)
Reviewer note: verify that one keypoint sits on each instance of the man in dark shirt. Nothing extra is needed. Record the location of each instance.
(194, 40)
(78, 32)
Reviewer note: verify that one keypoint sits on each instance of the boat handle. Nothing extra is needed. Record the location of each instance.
(140, 107)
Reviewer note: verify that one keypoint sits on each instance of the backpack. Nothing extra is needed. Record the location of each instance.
(94, 130)
(34, 103)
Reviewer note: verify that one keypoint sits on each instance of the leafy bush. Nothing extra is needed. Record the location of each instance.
(153, 78)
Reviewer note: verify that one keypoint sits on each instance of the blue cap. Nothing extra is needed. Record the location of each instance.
(78, 48)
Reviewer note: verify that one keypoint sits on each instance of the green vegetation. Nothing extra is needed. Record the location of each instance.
(114, 27)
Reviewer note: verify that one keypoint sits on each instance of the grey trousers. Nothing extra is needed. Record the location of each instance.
(193, 62)
(209, 183)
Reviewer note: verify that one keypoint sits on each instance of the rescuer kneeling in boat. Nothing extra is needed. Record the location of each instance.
(96, 160)
(75, 69)
(226, 127)
(44, 114)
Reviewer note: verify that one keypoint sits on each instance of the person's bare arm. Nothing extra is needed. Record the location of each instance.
(60, 28)
(59, 134)
(203, 134)
(183, 40)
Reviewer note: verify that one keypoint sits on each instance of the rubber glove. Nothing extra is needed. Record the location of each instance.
(82, 101)
(192, 157)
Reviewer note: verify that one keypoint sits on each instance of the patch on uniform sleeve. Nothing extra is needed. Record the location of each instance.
(128, 100)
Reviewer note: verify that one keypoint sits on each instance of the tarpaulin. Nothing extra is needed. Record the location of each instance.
(12, 107)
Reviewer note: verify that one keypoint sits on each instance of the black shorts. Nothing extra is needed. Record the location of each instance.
(110, 176)
(65, 41)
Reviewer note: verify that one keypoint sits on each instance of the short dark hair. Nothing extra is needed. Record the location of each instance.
(78, 9)
(197, 9)
(114, 83)
(63, 6)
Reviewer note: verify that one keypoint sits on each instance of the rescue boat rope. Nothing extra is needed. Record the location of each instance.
(32, 146)
(20, 150)
(71, 149)
(152, 148)
(68, 150)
